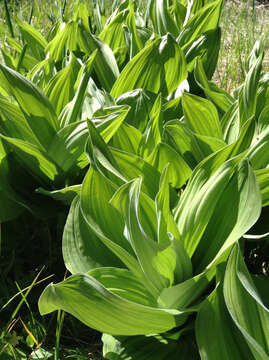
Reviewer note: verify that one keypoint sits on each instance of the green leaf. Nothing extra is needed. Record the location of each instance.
(152, 347)
(179, 171)
(205, 50)
(258, 152)
(104, 220)
(221, 335)
(141, 102)
(132, 166)
(101, 215)
(60, 89)
(89, 301)
(245, 306)
(36, 161)
(67, 148)
(263, 181)
(262, 123)
(105, 66)
(164, 22)
(220, 97)
(204, 20)
(144, 72)
(250, 89)
(167, 227)
(42, 73)
(11, 208)
(214, 225)
(136, 41)
(201, 115)
(113, 36)
(82, 250)
(36, 107)
(36, 42)
(120, 166)
(182, 295)
(127, 138)
(28, 61)
(41, 354)
(65, 195)
(184, 142)
(123, 283)
(178, 11)
(153, 133)
(160, 261)
(231, 123)
(109, 120)
(100, 155)
(13, 122)
(65, 40)
(72, 110)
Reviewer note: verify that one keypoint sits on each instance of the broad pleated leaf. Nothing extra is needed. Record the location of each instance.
(220, 97)
(263, 120)
(158, 261)
(105, 221)
(28, 61)
(132, 166)
(164, 22)
(246, 306)
(37, 109)
(14, 123)
(136, 40)
(263, 181)
(36, 161)
(127, 138)
(201, 115)
(88, 300)
(184, 142)
(167, 227)
(152, 347)
(35, 40)
(144, 72)
(109, 120)
(123, 283)
(72, 110)
(204, 20)
(230, 123)
(141, 103)
(221, 336)
(113, 36)
(82, 250)
(214, 226)
(258, 153)
(105, 66)
(101, 216)
(182, 295)
(65, 195)
(206, 49)
(67, 147)
(60, 89)
(65, 40)
(179, 171)
(153, 133)
(250, 89)
(121, 166)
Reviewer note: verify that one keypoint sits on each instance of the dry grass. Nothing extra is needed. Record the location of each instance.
(242, 24)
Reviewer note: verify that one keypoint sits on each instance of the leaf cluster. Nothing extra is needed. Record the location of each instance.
(164, 175)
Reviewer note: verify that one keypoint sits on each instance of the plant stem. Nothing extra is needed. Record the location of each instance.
(9, 24)
(60, 320)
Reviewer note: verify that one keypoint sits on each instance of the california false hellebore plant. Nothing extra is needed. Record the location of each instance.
(177, 174)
